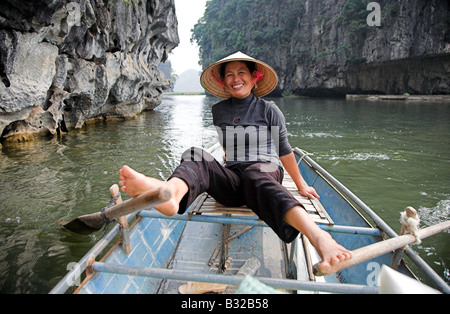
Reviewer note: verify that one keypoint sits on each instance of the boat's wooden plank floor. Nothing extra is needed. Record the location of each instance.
(200, 240)
(208, 205)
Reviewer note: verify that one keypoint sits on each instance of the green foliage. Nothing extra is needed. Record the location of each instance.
(246, 25)
(268, 29)
(354, 14)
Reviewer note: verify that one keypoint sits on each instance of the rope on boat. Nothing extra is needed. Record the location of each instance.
(107, 221)
(410, 223)
(305, 153)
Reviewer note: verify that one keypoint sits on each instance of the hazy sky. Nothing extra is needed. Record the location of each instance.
(185, 56)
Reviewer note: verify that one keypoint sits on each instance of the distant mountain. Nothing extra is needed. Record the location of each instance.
(188, 82)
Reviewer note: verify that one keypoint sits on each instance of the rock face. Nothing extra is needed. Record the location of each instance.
(342, 51)
(334, 47)
(63, 62)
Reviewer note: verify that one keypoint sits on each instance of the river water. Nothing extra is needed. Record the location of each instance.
(391, 154)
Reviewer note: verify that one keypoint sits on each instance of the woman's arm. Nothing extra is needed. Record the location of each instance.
(290, 165)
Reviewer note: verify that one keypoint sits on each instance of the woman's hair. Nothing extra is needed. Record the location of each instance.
(250, 65)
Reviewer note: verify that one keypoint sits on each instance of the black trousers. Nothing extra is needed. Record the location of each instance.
(254, 184)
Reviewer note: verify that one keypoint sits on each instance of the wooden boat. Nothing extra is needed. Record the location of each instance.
(213, 243)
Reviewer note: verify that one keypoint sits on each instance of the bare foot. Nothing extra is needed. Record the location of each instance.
(134, 183)
(330, 251)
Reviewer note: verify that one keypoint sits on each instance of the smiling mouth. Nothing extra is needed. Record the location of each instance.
(238, 86)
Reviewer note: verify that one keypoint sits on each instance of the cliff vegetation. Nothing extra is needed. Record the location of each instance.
(330, 48)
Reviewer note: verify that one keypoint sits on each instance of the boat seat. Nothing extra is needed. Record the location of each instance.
(205, 204)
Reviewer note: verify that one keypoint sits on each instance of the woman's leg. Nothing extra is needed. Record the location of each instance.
(134, 183)
(329, 250)
(266, 196)
(198, 172)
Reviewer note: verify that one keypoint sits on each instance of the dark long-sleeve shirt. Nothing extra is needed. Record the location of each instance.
(251, 129)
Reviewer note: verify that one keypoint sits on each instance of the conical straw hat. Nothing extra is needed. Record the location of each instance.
(211, 76)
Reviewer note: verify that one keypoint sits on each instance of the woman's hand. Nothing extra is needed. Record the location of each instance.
(309, 192)
(290, 165)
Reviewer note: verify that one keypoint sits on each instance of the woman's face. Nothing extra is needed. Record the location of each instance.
(238, 79)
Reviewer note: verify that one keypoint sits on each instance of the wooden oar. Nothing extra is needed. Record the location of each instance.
(380, 248)
(90, 223)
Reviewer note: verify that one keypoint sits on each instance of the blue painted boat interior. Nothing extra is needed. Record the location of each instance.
(187, 246)
(153, 243)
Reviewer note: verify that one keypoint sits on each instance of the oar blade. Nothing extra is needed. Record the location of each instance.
(80, 226)
(90, 223)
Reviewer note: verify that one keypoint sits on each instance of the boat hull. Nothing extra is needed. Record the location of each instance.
(171, 243)
(344, 213)
(153, 243)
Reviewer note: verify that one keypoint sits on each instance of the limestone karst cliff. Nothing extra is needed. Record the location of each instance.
(65, 62)
(328, 47)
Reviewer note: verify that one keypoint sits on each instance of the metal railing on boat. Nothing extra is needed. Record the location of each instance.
(249, 221)
(414, 256)
(72, 276)
(289, 284)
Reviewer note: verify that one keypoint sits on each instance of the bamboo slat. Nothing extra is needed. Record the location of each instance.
(207, 205)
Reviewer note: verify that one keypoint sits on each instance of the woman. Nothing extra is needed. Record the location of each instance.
(254, 136)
